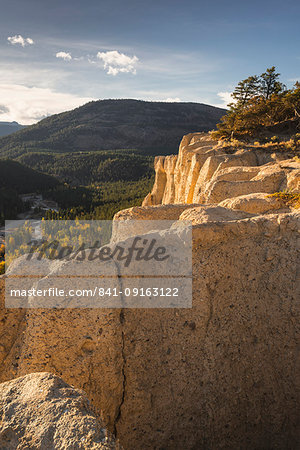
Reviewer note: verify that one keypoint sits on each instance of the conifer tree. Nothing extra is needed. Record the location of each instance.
(245, 90)
(269, 83)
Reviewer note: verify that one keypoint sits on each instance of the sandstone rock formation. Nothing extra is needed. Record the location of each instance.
(221, 374)
(205, 172)
(41, 411)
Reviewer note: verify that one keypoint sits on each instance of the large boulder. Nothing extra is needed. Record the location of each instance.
(41, 411)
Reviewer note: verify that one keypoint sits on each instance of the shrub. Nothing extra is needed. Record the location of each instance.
(289, 198)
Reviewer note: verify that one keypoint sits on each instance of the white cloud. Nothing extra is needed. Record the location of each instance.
(28, 105)
(116, 62)
(19, 40)
(63, 55)
(226, 97)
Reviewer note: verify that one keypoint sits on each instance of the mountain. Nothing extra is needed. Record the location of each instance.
(152, 127)
(22, 179)
(9, 128)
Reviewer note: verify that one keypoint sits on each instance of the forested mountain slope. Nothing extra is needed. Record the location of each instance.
(154, 127)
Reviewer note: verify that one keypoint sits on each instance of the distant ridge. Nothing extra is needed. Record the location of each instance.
(9, 128)
(153, 127)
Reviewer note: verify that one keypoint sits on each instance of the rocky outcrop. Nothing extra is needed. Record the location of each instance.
(221, 374)
(205, 172)
(41, 411)
(66, 342)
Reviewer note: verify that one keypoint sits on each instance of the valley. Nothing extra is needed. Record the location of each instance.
(98, 158)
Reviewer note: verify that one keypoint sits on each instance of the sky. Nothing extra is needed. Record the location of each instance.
(58, 55)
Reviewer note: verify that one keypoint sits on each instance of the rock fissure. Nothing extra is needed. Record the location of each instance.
(119, 409)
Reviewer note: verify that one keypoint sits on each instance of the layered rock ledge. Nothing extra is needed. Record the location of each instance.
(206, 172)
(219, 375)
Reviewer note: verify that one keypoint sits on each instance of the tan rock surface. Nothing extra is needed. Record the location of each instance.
(156, 196)
(269, 180)
(213, 213)
(126, 221)
(169, 188)
(217, 362)
(257, 203)
(41, 411)
(240, 173)
(221, 374)
(204, 173)
(293, 181)
(163, 212)
(218, 375)
(65, 342)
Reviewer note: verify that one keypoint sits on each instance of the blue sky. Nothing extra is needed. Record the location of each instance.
(57, 55)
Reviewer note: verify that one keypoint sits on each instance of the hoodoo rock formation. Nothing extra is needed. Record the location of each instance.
(219, 375)
(204, 172)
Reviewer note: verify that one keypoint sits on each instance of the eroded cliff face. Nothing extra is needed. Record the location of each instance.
(222, 374)
(204, 172)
